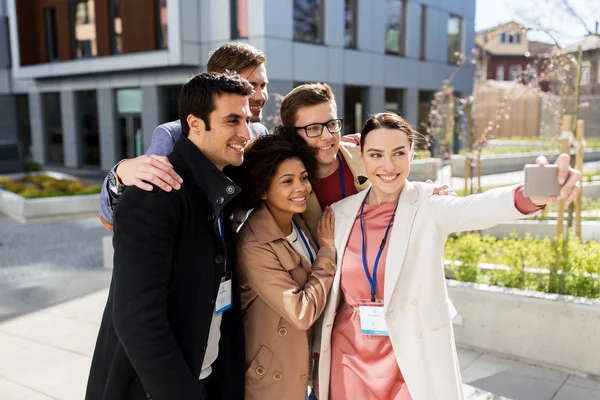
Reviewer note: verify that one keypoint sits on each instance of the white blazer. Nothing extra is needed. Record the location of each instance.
(417, 308)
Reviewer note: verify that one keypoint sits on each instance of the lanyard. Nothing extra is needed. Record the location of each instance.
(301, 234)
(221, 219)
(221, 225)
(373, 280)
(342, 183)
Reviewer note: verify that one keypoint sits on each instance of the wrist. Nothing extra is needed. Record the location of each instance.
(115, 170)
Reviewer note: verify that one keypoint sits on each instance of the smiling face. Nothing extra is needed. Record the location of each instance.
(386, 155)
(289, 188)
(257, 76)
(226, 140)
(327, 145)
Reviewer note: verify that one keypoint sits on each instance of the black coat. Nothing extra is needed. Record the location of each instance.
(168, 263)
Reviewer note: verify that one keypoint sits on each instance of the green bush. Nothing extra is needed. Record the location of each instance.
(570, 267)
(35, 186)
(31, 166)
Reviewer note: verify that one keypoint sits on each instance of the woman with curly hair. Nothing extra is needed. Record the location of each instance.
(285, 276)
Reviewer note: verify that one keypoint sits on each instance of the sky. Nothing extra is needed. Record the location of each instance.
(549, 14)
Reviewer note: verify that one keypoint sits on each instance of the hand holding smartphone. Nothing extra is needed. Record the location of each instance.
(541, 181)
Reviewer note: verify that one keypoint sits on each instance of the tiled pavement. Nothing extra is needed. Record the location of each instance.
(46, 355)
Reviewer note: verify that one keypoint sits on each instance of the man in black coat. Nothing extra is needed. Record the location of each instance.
(172, 327)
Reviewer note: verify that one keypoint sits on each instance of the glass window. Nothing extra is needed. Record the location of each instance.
(394, 100)
(500, 73)
(163, 24)
(350, 23)
(54, 129)
(423, 36)
(117, 27)
(90, 133)
(239, 19)
(50, 26)
(515, 73)
(308, 21)
(454, 38)
(84, 29)
(586, 67)
(395, 32)
(355, 107)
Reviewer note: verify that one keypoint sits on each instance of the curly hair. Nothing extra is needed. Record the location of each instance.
(262, 159)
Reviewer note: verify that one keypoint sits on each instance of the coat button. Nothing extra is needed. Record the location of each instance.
(260, 371)
(211, 217)
(230, 189)
(148, 395)
(419, 335)
(277, 376)
(413, 302)
(218, 259)
(205, 346)
(212, 303)
(220, 200)
(282, 331)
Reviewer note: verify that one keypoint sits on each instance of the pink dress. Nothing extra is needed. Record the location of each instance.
(363, 366)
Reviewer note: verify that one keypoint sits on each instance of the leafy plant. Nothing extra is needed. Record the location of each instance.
(36, 186)
(562, 266)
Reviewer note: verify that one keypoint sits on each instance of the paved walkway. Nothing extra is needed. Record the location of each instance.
(46, 355)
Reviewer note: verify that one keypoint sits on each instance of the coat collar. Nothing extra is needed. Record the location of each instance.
(266, 230)
(219, 189)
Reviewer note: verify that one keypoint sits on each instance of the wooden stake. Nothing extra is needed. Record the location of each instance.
(467, 174)
(560, 218)
(579, 166)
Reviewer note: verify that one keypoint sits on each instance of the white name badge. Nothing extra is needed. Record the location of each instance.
(224, 297)
(372, 319)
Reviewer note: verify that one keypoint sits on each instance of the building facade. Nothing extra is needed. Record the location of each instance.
(590, 63)
(99, 75)
(505, 53)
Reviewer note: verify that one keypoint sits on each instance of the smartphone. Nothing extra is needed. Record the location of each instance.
(541, 181)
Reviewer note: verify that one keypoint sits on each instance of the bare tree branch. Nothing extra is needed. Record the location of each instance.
(576, 15)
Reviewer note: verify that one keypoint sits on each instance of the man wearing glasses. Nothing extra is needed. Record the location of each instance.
(311, 108)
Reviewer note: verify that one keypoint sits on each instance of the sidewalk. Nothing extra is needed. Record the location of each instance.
(46, 355)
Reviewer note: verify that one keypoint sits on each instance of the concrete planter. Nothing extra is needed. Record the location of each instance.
(423, 169)
(497, 164)
(554, 330)
(46, 208)
(591, 190)
(590, 230)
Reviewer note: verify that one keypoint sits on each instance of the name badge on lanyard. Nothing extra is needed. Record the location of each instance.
(371, 311)
(372, 317)
(224, 296)
(223, 302)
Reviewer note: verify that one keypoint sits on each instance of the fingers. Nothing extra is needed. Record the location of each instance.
(563, 168)
(163, 164)
(541, 161)
(142, 185)
(160, 177)
(572, 186)
(155, 179)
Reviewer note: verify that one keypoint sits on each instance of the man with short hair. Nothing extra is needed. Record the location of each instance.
(153, 168)
(172, 326)
(312, 110)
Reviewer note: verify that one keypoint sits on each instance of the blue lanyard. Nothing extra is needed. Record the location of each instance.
(221, 224)
(301, 234)
(373, 280)
(342, 183)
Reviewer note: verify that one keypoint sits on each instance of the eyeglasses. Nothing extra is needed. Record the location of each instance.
(316, 129)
